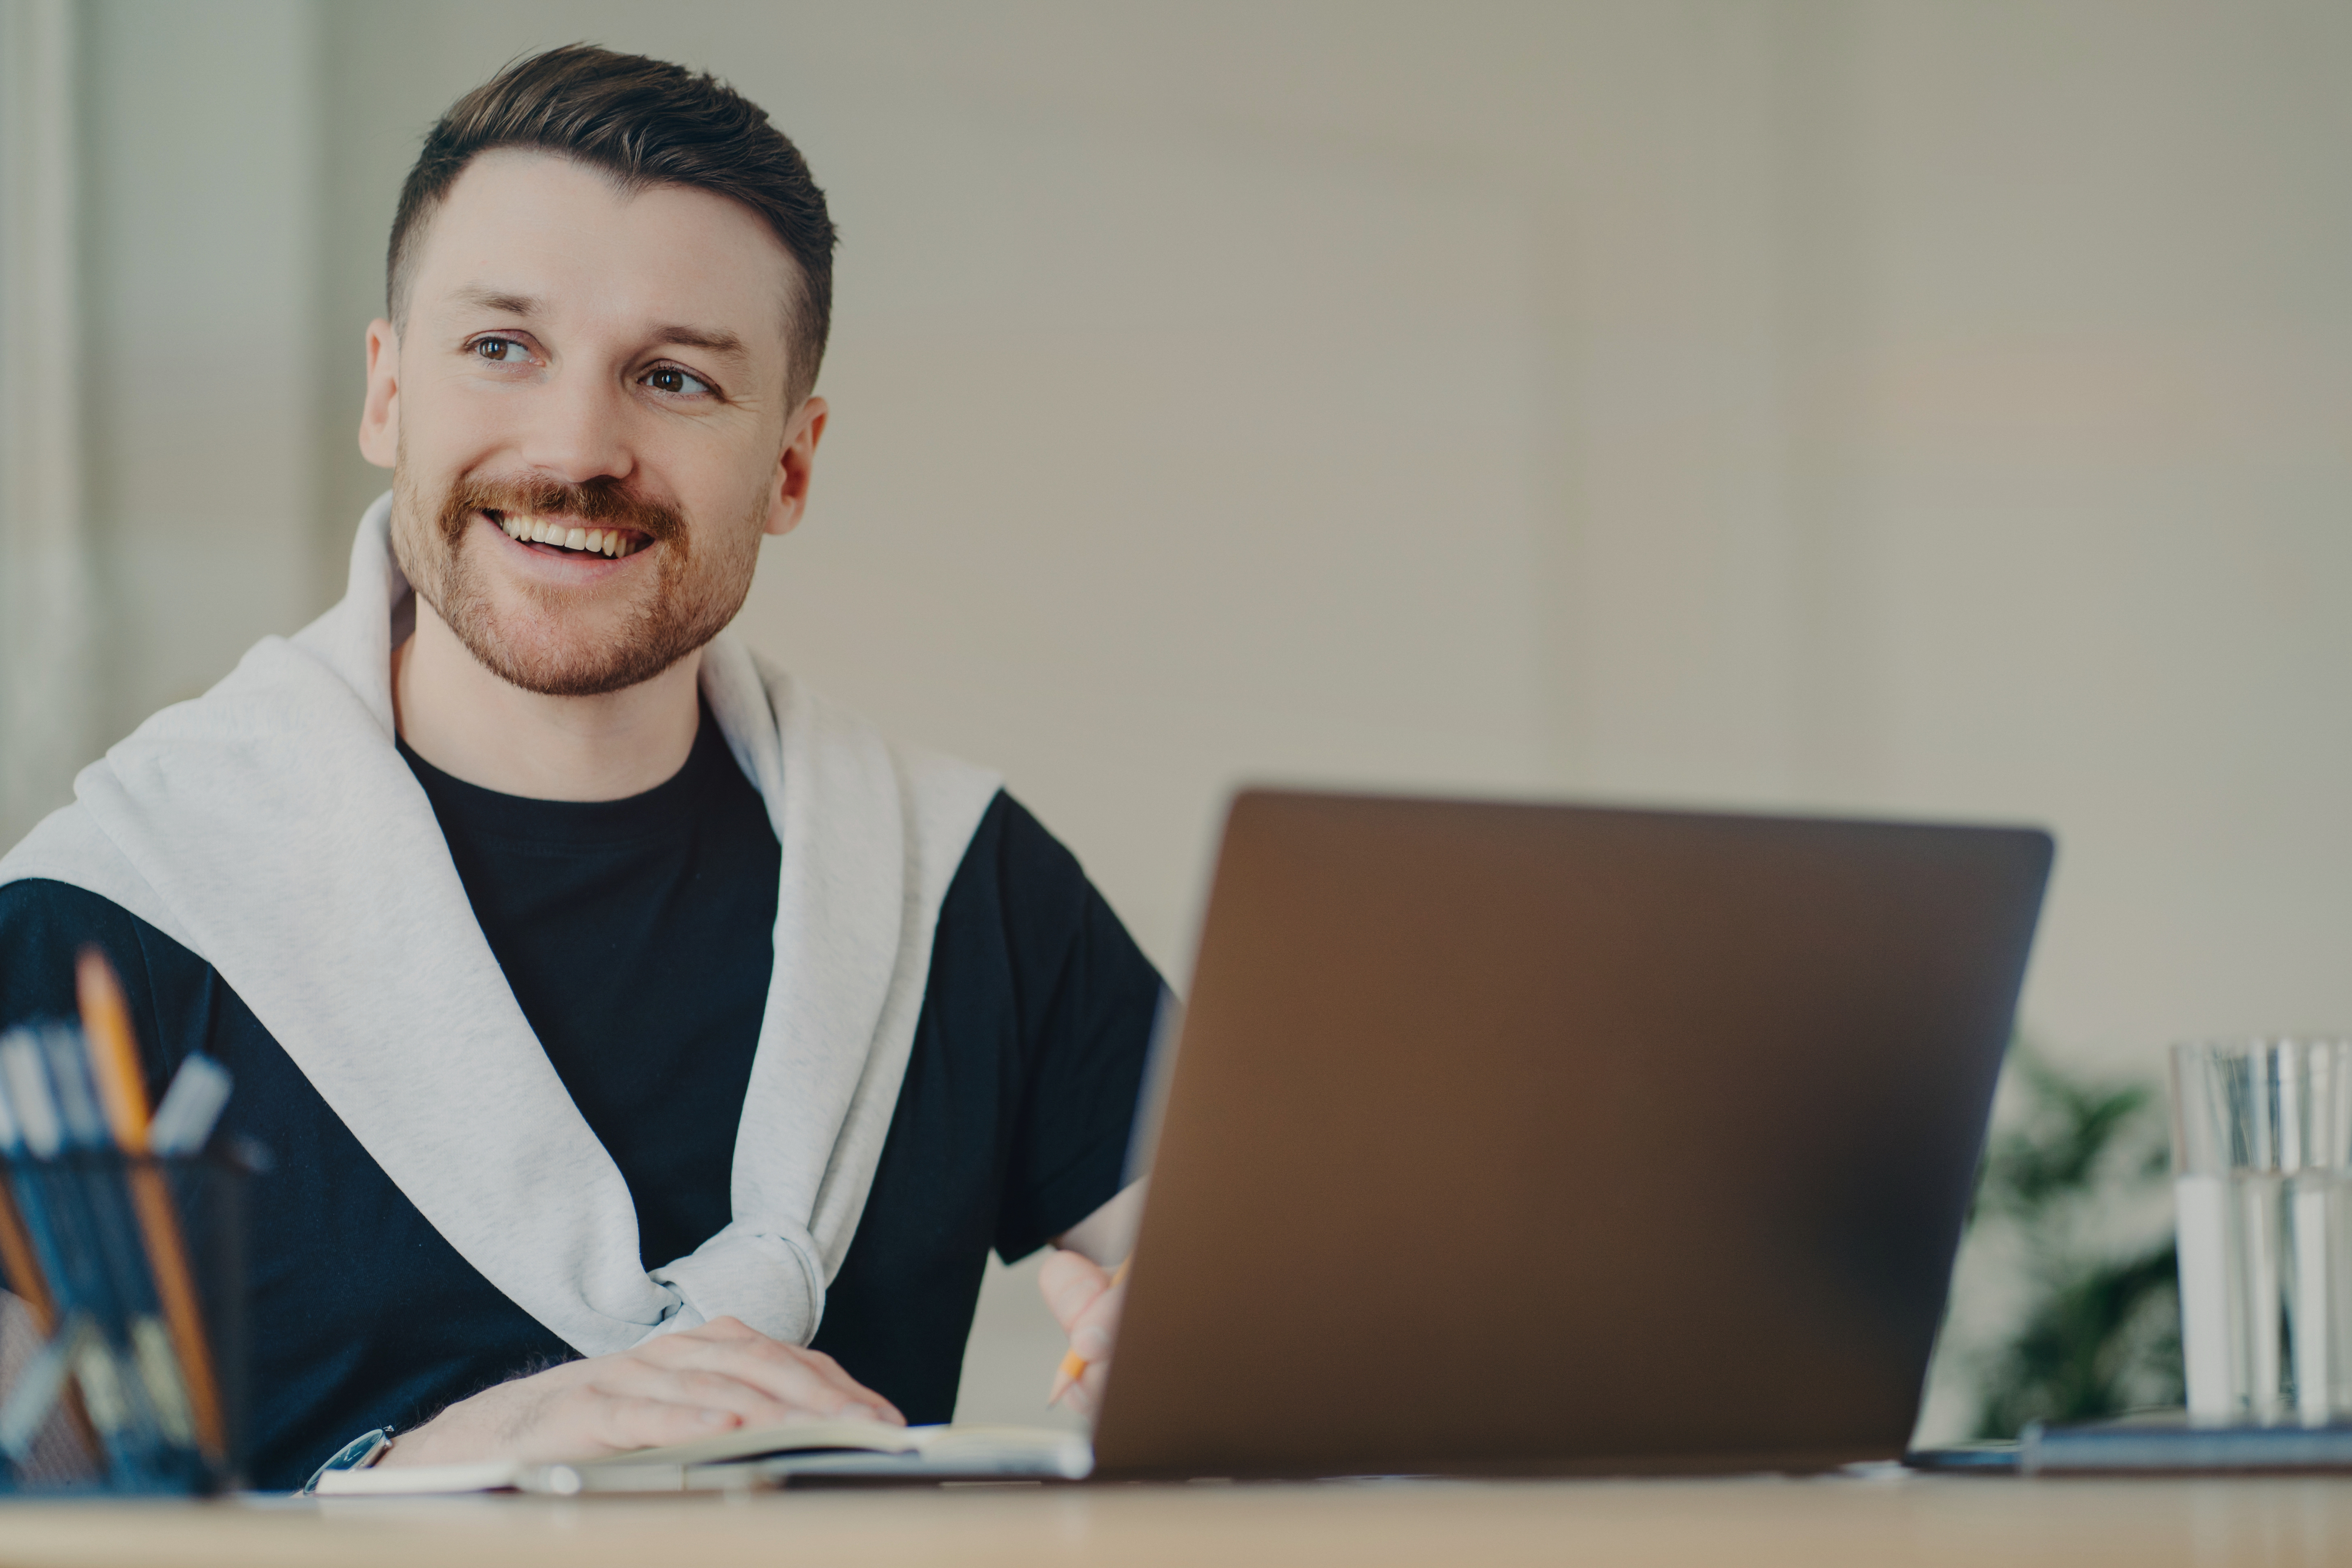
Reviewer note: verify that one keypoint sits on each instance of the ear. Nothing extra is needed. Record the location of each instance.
(380, 419)
(793, 466)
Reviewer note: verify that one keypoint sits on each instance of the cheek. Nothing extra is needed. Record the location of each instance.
(723, 558)
(730, 516)
(455, 427)
(416, 543)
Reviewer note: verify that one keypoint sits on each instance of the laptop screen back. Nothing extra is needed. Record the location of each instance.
(1537, 1138)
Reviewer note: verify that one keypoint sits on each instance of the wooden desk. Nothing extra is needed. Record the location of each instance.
(1825, 1523)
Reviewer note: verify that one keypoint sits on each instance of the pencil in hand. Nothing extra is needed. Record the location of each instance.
(1074, 1365)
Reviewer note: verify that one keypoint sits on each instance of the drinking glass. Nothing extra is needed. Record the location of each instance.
(2261, 1161)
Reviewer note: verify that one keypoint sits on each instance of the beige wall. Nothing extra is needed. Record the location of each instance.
(1909, 407)
(201, 263)
(1921, 408)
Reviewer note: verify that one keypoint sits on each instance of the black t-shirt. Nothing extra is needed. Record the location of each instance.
(636, 936)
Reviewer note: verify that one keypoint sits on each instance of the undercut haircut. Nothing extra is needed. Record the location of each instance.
(642, 122)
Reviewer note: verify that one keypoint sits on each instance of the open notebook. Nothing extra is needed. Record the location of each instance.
(852, 1449)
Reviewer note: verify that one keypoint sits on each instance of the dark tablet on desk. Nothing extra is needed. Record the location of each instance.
(1547, 1138)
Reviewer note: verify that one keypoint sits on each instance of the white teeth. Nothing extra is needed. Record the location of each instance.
(592, 541)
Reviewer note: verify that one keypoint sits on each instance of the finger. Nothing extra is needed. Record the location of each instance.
(623, 1421)
(808, 1382)
(727, 1330)
(1070, 1282)
(1065, 1377)
(584, 1422)
(836, 1374)
(1084, 1396)
(710, 1344)
(729, 1380)
(1095, 1331)
(693, 1388)
(736, 1334)
(861, 1400)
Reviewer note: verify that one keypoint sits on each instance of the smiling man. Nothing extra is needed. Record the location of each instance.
(647, 1047)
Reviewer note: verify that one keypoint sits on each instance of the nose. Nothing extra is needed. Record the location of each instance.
(579, 429)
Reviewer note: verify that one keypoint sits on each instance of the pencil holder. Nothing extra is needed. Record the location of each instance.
(122, 1352)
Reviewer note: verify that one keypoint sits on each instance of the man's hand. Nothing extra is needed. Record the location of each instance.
(1087, 1303)
(684, 1385)
(1086, 1300)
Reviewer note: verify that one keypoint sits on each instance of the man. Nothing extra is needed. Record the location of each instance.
(645, 1047)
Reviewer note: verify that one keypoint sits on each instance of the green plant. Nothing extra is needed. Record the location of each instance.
(2099, 1330)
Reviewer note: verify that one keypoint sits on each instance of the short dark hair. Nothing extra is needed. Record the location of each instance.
(642, 122)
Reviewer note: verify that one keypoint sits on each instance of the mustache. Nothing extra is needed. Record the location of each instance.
(601, 502)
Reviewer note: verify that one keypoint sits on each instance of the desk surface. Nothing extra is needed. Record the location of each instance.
(1823, 1523)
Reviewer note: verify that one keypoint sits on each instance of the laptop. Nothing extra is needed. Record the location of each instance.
(1509, 1139)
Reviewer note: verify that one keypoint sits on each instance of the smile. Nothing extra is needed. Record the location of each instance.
(564, 534)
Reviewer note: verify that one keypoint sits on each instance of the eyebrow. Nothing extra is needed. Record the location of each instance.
(710, 340)
(506, 304)
(707, 338)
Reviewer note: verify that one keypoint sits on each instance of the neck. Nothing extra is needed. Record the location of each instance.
(472, 725)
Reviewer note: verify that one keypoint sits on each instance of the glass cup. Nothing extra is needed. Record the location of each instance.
(2261, 1162)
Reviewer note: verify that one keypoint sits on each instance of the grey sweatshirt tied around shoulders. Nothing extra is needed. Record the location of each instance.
(271, 828)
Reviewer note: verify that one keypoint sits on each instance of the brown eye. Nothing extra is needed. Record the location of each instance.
(497, 351)
(680, 382)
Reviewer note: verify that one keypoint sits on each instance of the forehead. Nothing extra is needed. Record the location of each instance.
(565, 234)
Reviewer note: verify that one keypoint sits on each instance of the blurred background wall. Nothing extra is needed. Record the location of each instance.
(1938, 407)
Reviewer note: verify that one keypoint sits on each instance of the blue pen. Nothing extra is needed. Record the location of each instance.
(80, 1269)
(160, 1397)
(26, 1274)
(190, 1109)
(30, 1132)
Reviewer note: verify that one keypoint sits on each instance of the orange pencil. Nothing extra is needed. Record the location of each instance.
(114, 1063)
(22, 1269)
(1074, 1365)
(32, 1288)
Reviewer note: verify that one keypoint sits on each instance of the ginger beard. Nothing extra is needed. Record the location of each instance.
(675, 599)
